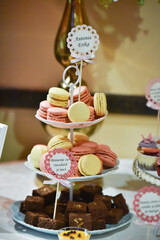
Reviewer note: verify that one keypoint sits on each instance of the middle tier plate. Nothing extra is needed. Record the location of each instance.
(71, 125)
(74, 179)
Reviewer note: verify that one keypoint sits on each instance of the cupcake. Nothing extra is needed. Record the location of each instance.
(148, 153)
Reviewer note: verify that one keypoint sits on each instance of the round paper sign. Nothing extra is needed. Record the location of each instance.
(60, 162)
(83, 41)
(153, 94)
(147, 204)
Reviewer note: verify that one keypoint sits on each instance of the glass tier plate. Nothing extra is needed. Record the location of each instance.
(148, 176)
(74, 179)
(70, 125)
(19, 218)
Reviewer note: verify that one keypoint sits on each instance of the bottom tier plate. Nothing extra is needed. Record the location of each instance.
(19, 218)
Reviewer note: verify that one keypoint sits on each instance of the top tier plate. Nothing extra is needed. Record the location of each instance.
(71, 125)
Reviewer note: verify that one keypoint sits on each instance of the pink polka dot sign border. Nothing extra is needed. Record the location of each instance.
(146, 204)
(153, 94)
(83, 41)
(60, 163)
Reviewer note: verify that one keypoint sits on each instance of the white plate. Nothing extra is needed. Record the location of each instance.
(19, 217)
(74, 179)
(71, 125)
(149, 176)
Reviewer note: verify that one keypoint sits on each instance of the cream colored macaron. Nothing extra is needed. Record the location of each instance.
(36, 153)
(89, 165)
(59, 141)
(58, 97)
(100, 104)
(79, 137)
(78, 112)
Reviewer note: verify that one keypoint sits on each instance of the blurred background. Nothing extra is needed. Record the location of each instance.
(127, 59)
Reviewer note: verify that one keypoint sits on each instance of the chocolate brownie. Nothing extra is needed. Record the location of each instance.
(64, 196)
(114, 215)
(82, 220)
(32, 218)
(49, 209)
(22, 207)
(75, 207)
(120, 202)
(89, 191)
(48, 193)
(98, 224)
(97, 209)
(34, 203)
(105, 199)
(50, 223)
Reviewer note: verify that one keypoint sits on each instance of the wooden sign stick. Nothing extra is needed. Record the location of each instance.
(55, 205)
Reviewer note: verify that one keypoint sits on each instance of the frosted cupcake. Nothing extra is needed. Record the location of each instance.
(148, 153)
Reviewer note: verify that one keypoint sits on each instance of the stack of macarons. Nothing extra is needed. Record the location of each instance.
(90, 156)
(57, 106)
(85, 95)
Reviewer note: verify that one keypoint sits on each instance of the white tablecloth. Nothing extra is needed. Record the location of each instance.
(16, 182)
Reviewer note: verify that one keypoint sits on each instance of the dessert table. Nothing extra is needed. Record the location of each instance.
(16, 182)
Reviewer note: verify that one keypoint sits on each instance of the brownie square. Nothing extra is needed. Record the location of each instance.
(32, 218)
(114, 215)
(64, 196)
(75, 207)
(61, 207)
(89, 191)
(120, 202)
(105, 199)
(49, 209)
(48, 193)
(97, 209)
(22, 207)
(50, 223)
(82, 220)
(98, 224)
(34, 203)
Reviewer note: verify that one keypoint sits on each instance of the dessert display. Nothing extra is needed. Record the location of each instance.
(67, 159)
(146, 163)
(89, 209)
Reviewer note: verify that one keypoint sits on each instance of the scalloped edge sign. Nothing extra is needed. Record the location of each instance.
(153, 94)
(60, 163)
(146, 204)
(83, 41)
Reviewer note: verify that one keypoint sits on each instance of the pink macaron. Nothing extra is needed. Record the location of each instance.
(104, 153)
(90, 144)
(92, 113)
(41, 163)
(85, 95)
(43, 107)
(82, 150)
(57, 114)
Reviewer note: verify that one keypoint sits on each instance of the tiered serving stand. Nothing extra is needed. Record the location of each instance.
(148, 176)
(19, 217)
